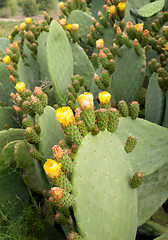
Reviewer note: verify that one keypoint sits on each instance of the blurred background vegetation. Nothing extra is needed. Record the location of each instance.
(16, 10)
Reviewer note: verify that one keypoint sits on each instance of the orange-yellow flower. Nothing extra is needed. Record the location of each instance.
(69, 27)
(86, 101)
(139, 27)
(28, 20)
(122, 6)
(57, 193)
(62, 21)
(38, 91)
(100, 44)
(61, 4)
(16, 27)
(52, 168)
(22, 26)
(104, 97)
(65, 116)
(112, 9)
(20, 87)
(9, 37)
(57, 151)
(6, 59)
(75, 27)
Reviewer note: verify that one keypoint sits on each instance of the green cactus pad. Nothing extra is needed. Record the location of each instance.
(82, 64)
(151, 149)
(60, 60)
(14, 197)
(108, 36)
(83, 19)
(6, 87)
(154, 103)
(4, 42)
(8, 116)
(97, 5)
(42, 58)
(163, 237)
(152, 193)
(128, 78)
(26, 162)
(101, 185)
(29, 74)
(152, 8)
(51, 132)
(10, 135)
(165, 118)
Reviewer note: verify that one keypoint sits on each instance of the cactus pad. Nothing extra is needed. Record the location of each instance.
(125, 84)
(49, 136)
(154, 103)
(60, 60)
(101, 185)
(151, 149)
(83, 19)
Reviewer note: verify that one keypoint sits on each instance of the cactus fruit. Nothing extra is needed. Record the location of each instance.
(137, 180)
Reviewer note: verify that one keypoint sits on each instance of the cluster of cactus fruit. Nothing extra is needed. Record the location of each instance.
(89, 164)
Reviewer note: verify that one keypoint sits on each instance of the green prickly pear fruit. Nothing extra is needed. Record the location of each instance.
(74, 236)
(137, 47)
(60, 156)
(113, 120)
(86, 103)
(27, 107)
(131, 31)
(134, 109)
(82, 128)
(137, 180)
(105, 77)
(111, 66)
(27, 122)
(62, 198)
(95, 60)
(101, 118)
(61, 219)
(36, 154)
(41, 96)
(103, 59)
(123, 107)
(31, 135)
(98, 82)
(36, 105)
(130, 143)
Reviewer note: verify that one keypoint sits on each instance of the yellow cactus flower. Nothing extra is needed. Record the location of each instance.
(75, 27)
(6, 59)
(104, 97)
(61, 5)
(62, 21)
(65, 116)
(139, 27)
(22, 26)
(20, 87)
(52, 168)
(16, 27)
(86, 101)
(122, 6)
(9, 37)
(112, 10)
(69, 27)
(28, 20)
(100, 44)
